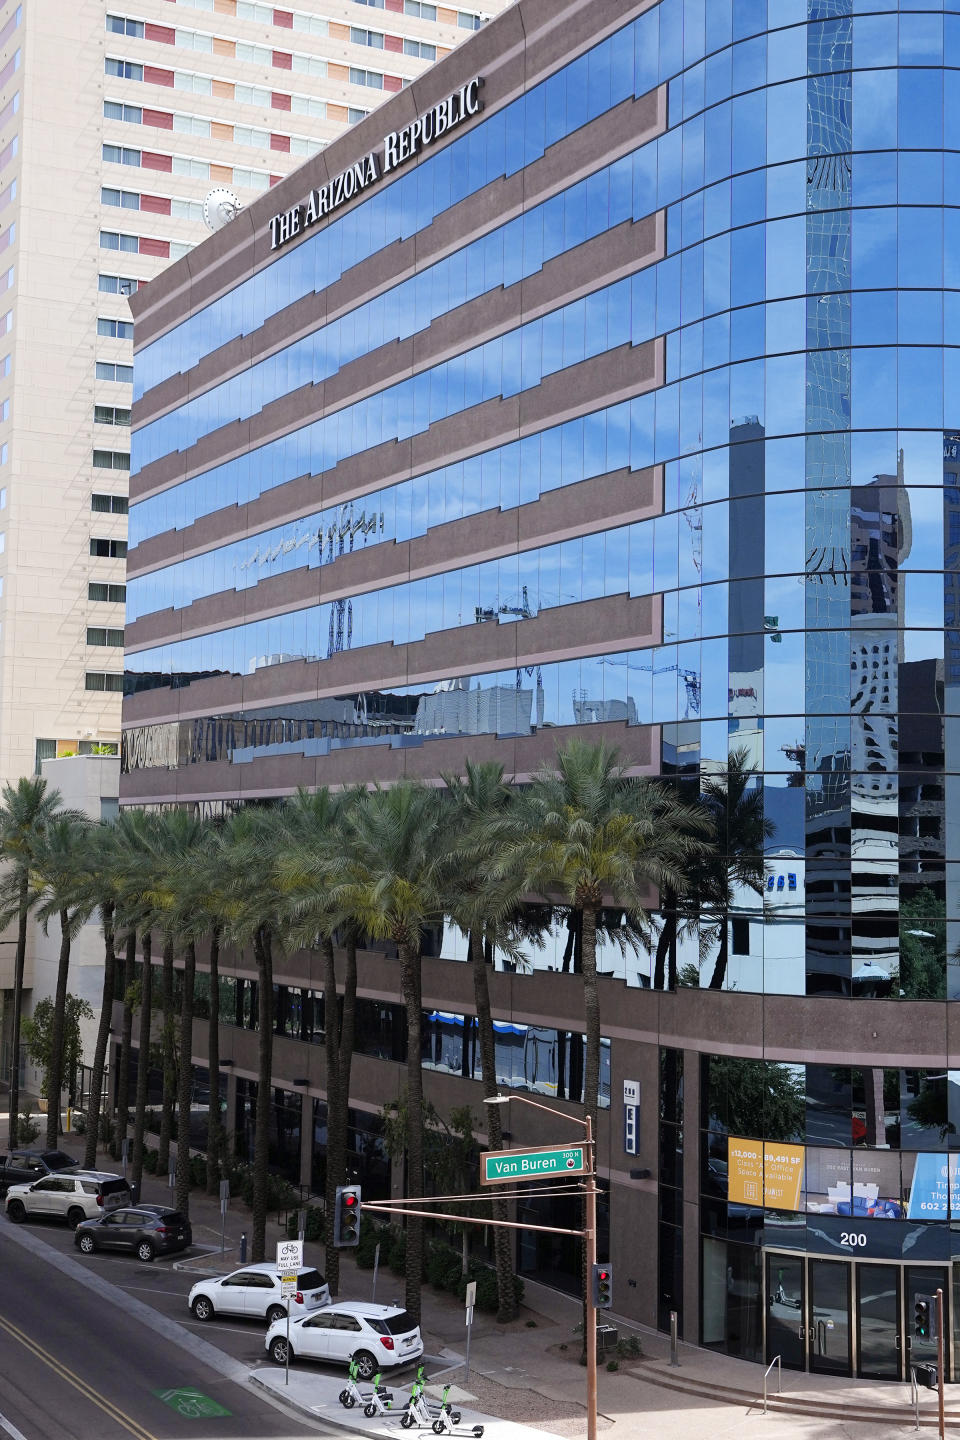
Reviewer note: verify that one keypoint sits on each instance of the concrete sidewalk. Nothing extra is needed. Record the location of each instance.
(528, 1372)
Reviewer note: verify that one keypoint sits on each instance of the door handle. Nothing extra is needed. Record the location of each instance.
(897, 1342)
(801, 1332)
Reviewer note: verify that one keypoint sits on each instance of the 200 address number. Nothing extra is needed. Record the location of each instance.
(853, 1237)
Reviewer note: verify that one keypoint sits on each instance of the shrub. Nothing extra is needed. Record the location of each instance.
(370, 1237)
(613, 1364)
(398, 1252)
(486, 1278)
(442, 1267)
(150, 1158)
(27, 1128)
(198, 1171)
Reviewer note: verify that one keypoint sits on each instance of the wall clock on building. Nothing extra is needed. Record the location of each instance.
(220, 207)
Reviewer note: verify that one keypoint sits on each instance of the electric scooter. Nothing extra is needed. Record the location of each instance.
(440, 1419)
(352, 1394)
(380, 1399)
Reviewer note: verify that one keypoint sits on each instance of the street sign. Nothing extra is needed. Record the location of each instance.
(288, 1285)
(470, 1298)
(289, 1255)
(496, 1166)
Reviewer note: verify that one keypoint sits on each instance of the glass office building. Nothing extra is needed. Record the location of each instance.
(604, 381)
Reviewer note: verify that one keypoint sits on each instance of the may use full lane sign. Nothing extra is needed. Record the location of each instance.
(544, 1162)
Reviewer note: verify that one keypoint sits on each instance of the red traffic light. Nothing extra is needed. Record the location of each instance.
(350, 1200)
(603, 1275)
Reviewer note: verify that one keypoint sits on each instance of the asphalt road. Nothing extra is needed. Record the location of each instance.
(77, 1367)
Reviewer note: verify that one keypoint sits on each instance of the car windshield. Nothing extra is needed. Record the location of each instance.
(310, 1280)
(113, 1187)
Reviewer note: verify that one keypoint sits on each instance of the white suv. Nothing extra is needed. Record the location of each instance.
(376, 1337)
(255, 1291)
(79, 1195)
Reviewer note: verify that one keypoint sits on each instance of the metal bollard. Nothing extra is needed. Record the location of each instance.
(674, 1357)
(243, 1248)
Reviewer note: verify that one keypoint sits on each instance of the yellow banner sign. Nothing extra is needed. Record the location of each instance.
(764, 1173)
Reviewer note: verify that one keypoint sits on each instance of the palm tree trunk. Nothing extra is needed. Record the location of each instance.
(143, 1063)
(126, 1036)
(410, 992)
(186, 1077)
(335, 1150)
(103, 1039)
(720, 968)
(24, 900)
(261, 1142)
(667, 939)
(214, 1122)
(506, 1291)
(55, 1072)
(169, 1059)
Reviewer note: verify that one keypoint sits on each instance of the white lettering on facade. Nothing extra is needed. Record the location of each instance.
(398, 147)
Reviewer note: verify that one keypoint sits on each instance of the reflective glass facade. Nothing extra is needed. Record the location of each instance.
(664, 442)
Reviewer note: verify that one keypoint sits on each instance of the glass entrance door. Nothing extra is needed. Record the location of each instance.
(828, 1326)
(880, 1346)
(786, 1309)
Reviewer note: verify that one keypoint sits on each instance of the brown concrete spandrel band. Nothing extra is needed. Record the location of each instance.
(589, 627)
(616, 254)
(604, 380)
(592, 505)
(600, 142)
(501, 52)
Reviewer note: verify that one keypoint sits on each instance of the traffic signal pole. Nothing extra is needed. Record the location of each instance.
(590, 1235)
(940, 1361)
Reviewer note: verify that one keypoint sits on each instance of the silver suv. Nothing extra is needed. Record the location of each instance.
(81, 1195)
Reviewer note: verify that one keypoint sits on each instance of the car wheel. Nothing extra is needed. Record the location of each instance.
(145, 1250)
(16, 1211)
(275, 1313)
(85, 1244)
(202, 1308)
(74, 1216)
(366, 1365)
(280, 1350)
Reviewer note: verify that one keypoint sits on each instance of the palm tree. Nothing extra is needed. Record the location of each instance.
(735, 801)
(143, 1061)
(61, 881)
(98, 875)
(252, 912)
(392, 883)
(314, 846)
(481, 903)
(588, 831)
(25, 810)
(123, 1059)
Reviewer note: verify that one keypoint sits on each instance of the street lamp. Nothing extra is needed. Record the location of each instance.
(589, 1235)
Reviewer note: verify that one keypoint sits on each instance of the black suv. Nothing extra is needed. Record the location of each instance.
(21, 1167)
(145, 1230)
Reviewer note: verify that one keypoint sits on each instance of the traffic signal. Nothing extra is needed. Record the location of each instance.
(346, 1217)
(925, 1317)
(602, 1287)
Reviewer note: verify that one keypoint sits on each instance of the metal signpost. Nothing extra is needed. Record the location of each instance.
(940, 1361)
(289, 1262)
(470, 1299)
(224, 1202)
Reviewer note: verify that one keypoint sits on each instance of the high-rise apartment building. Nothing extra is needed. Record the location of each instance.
(636, 417)
(116, 123)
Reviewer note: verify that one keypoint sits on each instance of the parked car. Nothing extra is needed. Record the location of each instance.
(255, 1291)
(22, 1167)
(144, 1230)
(375, 1337)
(72, 1195)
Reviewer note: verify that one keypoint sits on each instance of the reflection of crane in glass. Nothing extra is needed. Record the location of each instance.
(523, 611)
(690, 678)
(342, 527)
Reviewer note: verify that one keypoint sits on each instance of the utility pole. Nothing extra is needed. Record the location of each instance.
(590, 1311)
